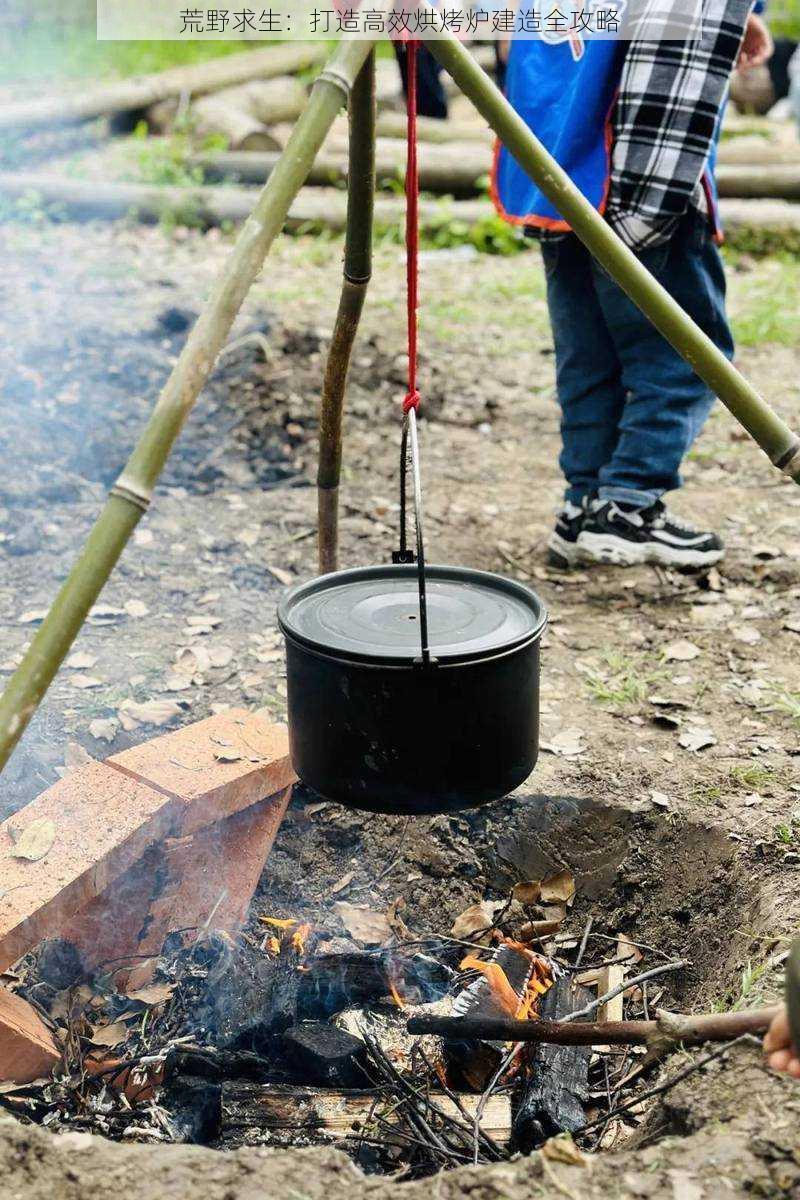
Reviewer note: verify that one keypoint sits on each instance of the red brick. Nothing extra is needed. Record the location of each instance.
(110, 815)
(104, 822)
(177, 885)
(184, 764)
(27, 1048)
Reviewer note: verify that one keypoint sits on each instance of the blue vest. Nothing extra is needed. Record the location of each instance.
(565, 93)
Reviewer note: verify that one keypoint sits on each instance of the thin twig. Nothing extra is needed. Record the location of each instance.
(669, 1083)
(584, 941)
(588, 1009)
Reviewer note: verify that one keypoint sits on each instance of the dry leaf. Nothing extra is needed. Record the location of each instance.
(363, 924)
(152, 993)
(220, 656)
(696, 738)
(35, 840)
(268, 656)
(343, 883)
(568, 743)
(562, 1149)
(81, 661)
(192, 660)
(32, 616)
(284, 577)
(660, 799)
(104, 729)
(142, 974)
(84, 681)
(681, 651)
(110, 1035)
(177, 683)
(152, 712)
(477, 919)
(558, 888)
(528, 892)
(136, 608)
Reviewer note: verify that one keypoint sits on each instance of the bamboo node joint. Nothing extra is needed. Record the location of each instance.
(124, 489)
(331, 75)
(789, 461)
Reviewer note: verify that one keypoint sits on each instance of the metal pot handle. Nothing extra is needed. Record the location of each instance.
(404, 555)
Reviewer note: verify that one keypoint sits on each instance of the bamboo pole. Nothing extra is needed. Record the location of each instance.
(355, 281)
(131, 495)
(763, 424)
(668, 1028)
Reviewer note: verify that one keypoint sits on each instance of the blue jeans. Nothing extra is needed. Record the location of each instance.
(631, 406)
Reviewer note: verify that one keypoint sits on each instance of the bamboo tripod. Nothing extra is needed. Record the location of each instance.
(347, 77)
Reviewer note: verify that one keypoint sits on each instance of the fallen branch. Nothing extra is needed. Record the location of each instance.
(667, 1029)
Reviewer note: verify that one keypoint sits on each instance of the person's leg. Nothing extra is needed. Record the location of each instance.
(667, 403)
(588, 383)
(431, 96)
(666, 407)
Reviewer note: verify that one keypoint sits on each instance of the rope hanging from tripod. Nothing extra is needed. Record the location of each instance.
(412, 224)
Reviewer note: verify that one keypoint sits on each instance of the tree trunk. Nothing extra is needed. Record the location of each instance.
(140, 92)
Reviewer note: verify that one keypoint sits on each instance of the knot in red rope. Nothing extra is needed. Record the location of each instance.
(411, 401)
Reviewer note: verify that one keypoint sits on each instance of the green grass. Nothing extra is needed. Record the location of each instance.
(750, 778)
(623, 680)
(788, 702)
(764, 303)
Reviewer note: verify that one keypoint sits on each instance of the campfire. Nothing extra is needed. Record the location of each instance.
(145, 996)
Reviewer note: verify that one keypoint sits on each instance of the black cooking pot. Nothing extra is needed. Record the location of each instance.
(373, 726)
(413, 689)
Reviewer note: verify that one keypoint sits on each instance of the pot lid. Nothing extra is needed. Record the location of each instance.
(372, 613)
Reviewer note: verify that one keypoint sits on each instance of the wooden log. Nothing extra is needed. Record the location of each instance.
(774, 182)
(248, 1106)
(209, 206)
(557, 1084)
(140, 92)
(241, 130)
(430, 129)
(241, 114)
(454, 170)
(750, 149)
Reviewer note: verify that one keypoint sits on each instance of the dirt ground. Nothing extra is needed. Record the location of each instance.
(697, 850)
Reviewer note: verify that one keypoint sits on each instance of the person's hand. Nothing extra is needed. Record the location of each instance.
(781, 1054)
(757, 47)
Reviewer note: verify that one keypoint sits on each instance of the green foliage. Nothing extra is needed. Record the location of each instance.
(623, 680)
(30, 209)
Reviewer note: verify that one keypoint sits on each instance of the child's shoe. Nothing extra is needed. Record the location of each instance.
(622, 535)
(562, 547)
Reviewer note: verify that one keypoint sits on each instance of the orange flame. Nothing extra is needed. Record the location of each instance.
(299, 937)
(540, 980)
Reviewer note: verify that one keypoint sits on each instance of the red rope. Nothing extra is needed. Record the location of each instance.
(412, 225)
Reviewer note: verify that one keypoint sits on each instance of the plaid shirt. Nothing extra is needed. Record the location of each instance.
(665, 120)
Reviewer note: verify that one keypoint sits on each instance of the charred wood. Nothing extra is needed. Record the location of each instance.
(557, 1083)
